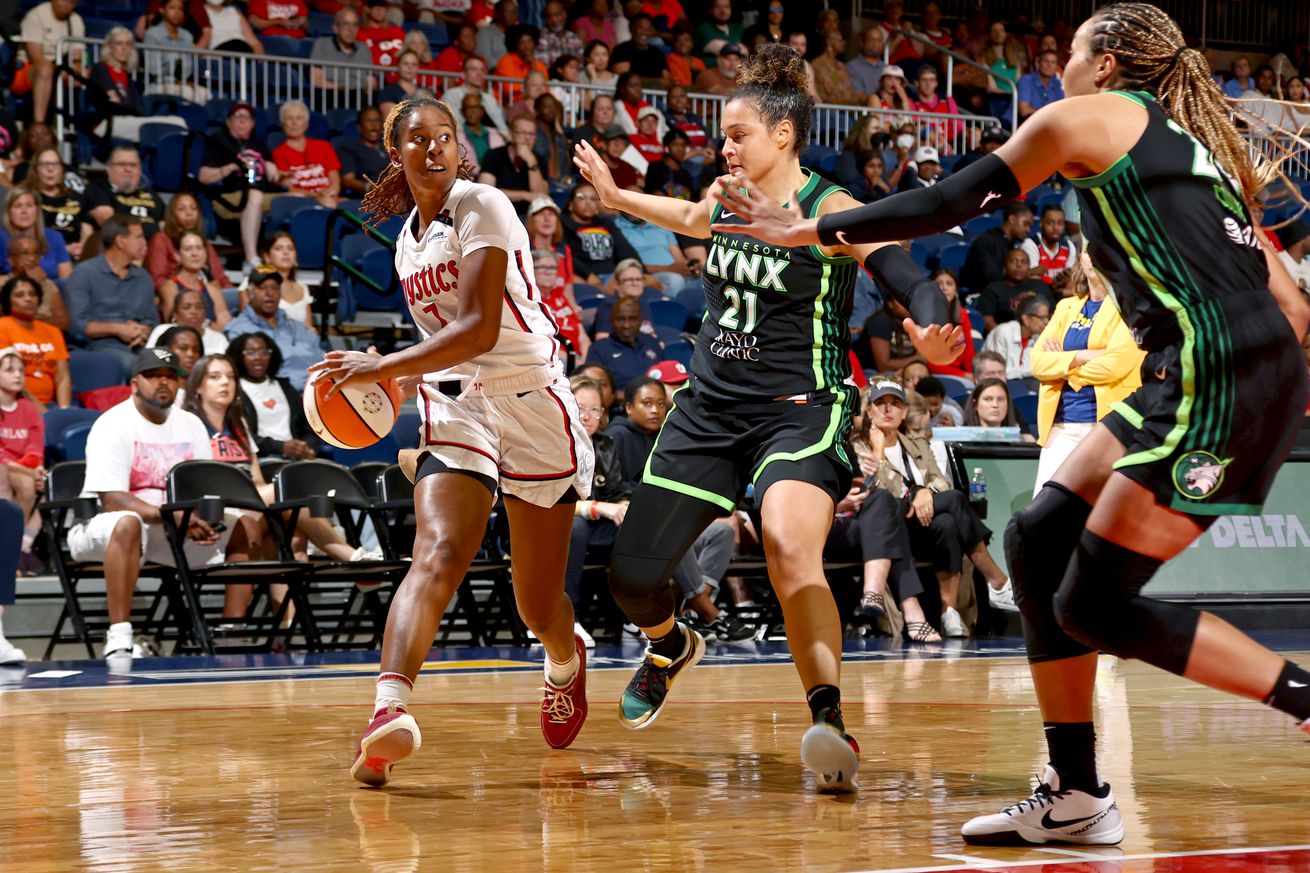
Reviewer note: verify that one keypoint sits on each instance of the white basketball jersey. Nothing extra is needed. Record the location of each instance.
(476, 216)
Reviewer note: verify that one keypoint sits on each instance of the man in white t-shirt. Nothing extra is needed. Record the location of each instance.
(41, 31)
(129, 453)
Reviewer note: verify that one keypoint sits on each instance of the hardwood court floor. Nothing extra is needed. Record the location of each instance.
(167, 773)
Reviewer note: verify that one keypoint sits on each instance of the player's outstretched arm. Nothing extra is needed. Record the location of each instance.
(680, 216)
(473, 332)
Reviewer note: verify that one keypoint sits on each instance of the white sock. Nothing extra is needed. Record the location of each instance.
(558, 674)
(119, 633)
(393, 689)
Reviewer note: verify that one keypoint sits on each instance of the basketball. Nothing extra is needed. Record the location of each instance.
(352, 418)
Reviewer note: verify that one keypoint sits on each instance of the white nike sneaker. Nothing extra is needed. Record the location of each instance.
(1002, 598)
(952, 624)
(9, 653)
(1050, 816)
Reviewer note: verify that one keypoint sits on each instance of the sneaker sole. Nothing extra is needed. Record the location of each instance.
(1037, 837)
(827, 754)
(697, 652)
(384, 748)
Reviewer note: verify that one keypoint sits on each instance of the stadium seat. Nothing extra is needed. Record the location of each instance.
(72, 445)
(438, 36)
(320, 24)
(669, 313)
(1019, 388)
(955, 384)
(983, 223)
(953, 256)
(283, 208)
(91, 370)
(406, 431)
(281, 46)
(308, 229)
(949, 162)
(1025, 407)
(170, 161)
(57, 421)
(583, 291)
(680, 351)
(342, 121)
(692, 297)
(376, 264)
(819, 157)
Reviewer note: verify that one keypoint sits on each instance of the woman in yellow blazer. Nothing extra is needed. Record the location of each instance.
(1086, 361)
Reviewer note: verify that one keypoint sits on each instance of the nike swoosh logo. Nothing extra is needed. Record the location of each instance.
(991, 195)
(1291, 683)
(616, 354)
(1053, 824)
(726, 214)
(841, 238)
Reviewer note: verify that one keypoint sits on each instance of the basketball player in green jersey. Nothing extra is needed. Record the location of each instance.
(1164, 180)
(768, 404)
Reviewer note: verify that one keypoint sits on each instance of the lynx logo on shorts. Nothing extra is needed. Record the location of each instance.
(1197, 475)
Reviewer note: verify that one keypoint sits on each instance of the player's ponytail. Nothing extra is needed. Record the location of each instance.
(774, 82)
(389, 194)
(1152, 56)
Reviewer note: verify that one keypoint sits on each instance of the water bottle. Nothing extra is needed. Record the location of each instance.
(978, 493)
(250, 172)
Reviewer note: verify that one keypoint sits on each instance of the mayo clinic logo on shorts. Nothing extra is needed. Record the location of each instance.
(1197, 475)
(734, 345)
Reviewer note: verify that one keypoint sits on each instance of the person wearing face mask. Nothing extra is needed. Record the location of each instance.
(40, 344)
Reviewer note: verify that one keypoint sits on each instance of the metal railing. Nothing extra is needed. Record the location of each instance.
(952, 58)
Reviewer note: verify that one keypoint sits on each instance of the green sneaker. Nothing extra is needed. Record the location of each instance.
(643, 699)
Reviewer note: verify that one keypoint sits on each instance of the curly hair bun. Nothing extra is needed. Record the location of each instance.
(774, 66)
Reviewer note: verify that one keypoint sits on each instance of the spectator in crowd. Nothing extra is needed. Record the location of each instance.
(943, 527)
(957, 314)
(596, 26)
(121, 193)
(799, 42)
(342, 47)
(172, 72)
(856, 147)
(891, 92)
(567, 70)
(552, 147)
(24, 252)
(912, 372)
(42, 27)
(558, 297)
(630, 280)
(297, 344)
(475, 81)
(189, 312)
(111, 300)
(990, 406)
(988, 365)
(1000, 300)
(832, 77)
(1240, 82)
(1266, 82)
(604, 377)
(406, 83)
(720, 30)
(23, 215)
(129, 453)
(22, 450)
(309, 167)
(186, 344)
(927, 170)
(647, 139)
(1042, 86)
(932, 20)
(622, 159)
(1086, 360)
(227, 29)
(684, 66)
(626, 351)
(385, 40)
(639, 56)
(62, 208)
(556, 39)
(491, 39)
(1051, 255)
(672, 375)
(11, 527)
(628, 101)
(519, 59)
(596, 243)
(1295, 255)
(535, 84)
(270, 402)
(866, 70)
(600, 118)
(117, 109)
(928, 100)
(871, 183)
(989, 141)
(363, 157)
(889, 344)
(476, 135)
(191, 273)
(941, 409)
(279, 17)
(1007, 59)
(678, 114)
(38, 343)
(278, 250)
(240, 176)
(668, 176)
(546, 231)
(35, 137)
(464, 46)
(659, 252)
(722, 78)
(181, 216)
(985, 261)
(514, 168)
(595, 67)
(1014, 338)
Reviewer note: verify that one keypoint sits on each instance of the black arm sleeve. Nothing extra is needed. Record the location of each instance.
(975, 190)
(901, 277)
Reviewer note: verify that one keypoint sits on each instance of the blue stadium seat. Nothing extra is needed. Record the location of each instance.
(955, 384)
(949, 162)
(1025, 407)
(319, 126)
(384, 449)
(438, 36)
(170, 166)
(281, 46)
(72, 447)
(983, 223)
(919, 252)
(667, 335)
(405, 433)
(342, 121)
(281, 210)
(98, 28)
(320, 24)
(583, 291)
(952, 257)
(669, 313)
(91, 370)
(152, 132)
(309, 232)
(680, 351)
(57, 421)
(377, 264)
(1019, 388)
(692, 297)
(819, 157)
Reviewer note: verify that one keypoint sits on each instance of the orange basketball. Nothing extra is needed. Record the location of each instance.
(354, 417)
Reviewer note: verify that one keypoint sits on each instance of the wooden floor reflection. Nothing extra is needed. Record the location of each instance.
(252, 775)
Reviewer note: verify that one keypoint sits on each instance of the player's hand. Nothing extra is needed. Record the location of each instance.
(938, 343)
(596, 171)
(761, 217)
(409, 386)
(344, 368)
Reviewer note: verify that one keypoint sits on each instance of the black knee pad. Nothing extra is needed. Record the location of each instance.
(1039, 543)
(1100, 604)
(642, 587)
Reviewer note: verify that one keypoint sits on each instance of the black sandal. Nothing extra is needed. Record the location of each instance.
(921, 632)
(872, 607)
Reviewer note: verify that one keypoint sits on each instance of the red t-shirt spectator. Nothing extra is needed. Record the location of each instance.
(274, 10)
(309, 169)
(385, 42)
(480, 13)
(22, 434)
(650, 146)
(449, 60)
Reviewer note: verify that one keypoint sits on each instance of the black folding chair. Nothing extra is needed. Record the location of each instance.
(206, 489)
(366, 473)
(62, 509)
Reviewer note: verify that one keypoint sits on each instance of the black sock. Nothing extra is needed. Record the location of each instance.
(1073, 754)
(671, 644)
(826, 697)
(1291, 693)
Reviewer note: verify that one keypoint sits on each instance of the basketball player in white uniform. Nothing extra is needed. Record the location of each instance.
(497, 413)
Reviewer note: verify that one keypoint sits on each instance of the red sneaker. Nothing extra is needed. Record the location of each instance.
(563, 710)
(391, 737)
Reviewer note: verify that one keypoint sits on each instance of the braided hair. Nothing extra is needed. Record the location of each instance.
(1152, 56)
(773, 81)
(389, 193)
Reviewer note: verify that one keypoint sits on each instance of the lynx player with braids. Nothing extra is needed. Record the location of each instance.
(1164, 181)
(496, 412)
(768, 404)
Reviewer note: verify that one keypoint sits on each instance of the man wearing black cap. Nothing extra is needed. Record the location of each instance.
(239, 172)
(1296, 252)
(129, 453)
(992, 139)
